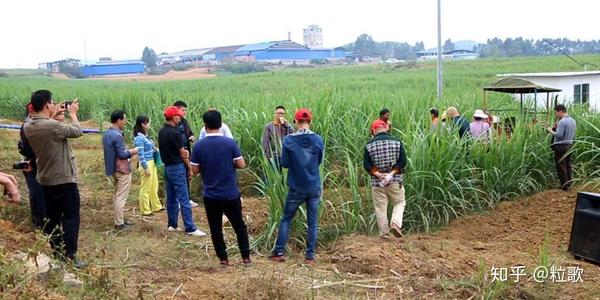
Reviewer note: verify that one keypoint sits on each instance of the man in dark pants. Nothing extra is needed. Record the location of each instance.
(57, 172)
(36, 193)
(216, 157)
(563, 138)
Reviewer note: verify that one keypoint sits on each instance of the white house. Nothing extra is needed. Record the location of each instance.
(577, 87)
(431, 54)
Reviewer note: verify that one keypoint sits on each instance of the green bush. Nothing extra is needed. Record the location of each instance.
(244, 68)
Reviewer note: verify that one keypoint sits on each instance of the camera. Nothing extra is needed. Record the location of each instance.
(21, 165)
(66, 104)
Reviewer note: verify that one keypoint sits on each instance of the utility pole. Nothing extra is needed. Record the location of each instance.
(439, 51)
(84, 51)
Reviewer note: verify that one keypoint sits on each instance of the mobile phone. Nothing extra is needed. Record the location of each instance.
(20, 165)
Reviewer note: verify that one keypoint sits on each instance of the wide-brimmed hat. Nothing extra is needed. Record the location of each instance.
(480, 114)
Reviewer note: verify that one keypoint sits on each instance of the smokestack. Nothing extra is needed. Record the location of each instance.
(289, 36)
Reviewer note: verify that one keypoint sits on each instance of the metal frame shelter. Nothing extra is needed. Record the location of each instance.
(515, 85)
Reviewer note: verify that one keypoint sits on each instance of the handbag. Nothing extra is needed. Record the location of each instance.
(157, 161)
(122, 166)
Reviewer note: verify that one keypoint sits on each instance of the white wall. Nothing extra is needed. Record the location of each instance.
(566, 84)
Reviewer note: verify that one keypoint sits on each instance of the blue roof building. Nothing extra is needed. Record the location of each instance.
(113, 68)
(280, 51)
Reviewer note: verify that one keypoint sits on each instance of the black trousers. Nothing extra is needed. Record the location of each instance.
(233, 210)
(563, 165)
(36, 199)
(62, 205)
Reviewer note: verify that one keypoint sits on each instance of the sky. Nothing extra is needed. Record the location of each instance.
(33, 31)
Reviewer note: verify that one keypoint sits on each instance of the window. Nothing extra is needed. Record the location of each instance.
(581, 93)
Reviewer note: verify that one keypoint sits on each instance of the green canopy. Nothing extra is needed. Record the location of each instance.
(514, 85)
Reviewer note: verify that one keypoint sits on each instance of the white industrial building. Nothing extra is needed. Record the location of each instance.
(313, 37)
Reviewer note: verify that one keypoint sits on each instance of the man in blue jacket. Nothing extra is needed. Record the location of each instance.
(302, 154)
(116, 165)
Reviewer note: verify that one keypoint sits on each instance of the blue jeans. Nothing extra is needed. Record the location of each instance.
(177, 196)
(292, 203)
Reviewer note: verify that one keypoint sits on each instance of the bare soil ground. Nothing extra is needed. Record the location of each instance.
(195, 73)
(454, 262)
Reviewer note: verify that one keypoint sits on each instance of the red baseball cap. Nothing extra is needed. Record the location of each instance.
(378, 124)
(303, 114)
(172, 111)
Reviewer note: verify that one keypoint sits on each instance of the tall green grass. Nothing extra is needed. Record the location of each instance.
(445, 178)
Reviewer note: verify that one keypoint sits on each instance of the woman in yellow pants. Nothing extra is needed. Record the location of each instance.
(149, 202)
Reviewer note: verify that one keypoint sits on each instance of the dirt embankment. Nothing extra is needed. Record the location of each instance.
(454, 262)
(195, 73)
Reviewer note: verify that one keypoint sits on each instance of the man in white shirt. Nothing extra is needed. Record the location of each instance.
(224, 130)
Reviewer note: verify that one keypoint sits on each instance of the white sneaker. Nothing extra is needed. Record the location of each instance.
(171, 228)
(198, 232)
(193, 204)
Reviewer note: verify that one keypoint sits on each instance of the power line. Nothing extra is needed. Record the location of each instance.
(583, 65)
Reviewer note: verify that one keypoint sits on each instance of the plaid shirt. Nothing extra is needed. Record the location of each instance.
(384, 153)
(273, 137)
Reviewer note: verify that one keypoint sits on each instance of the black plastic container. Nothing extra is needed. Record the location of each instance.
(585, 232)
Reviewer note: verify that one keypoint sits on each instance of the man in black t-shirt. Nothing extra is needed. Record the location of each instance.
(177, 171)
(187, 136)
(36, 193)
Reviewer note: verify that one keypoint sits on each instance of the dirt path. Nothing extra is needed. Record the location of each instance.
(454, 262)
(195, 73)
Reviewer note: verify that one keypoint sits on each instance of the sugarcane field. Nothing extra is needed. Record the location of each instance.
(321, 166)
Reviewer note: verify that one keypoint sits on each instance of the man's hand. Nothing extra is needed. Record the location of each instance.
(74, 107)
(550, 129)
(192, 139)
(12, 178)
(133, 151)
(13, 194)
(11, 187)
(29, 168)
(185, 154)
(147, 172)
(59, 110)
(282, 120)
(379, 175)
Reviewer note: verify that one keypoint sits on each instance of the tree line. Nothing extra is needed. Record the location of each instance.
(495, 47)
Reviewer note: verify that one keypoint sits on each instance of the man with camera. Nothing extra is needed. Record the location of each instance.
(57, 172)
(29, 167)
